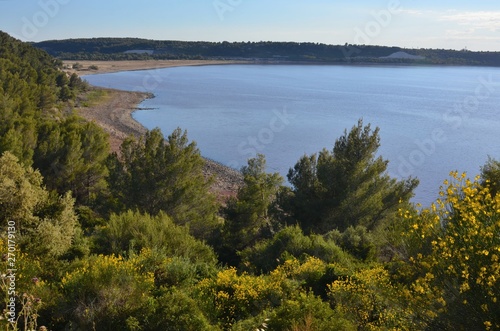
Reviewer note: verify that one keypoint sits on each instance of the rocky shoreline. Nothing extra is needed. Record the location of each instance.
(114, 114)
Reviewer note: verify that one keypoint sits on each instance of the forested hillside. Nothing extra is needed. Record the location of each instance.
(140, 49)
(93, 240)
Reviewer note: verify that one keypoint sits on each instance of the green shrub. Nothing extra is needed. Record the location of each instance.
(307, 313)
(130, 232)
(104, 292)
(176, 311)
(355, 240)
(291, 242)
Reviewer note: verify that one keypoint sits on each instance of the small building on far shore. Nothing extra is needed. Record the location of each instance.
(403, 55)
(140, 51)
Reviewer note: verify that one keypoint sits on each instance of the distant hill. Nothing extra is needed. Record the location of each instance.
(140, 49)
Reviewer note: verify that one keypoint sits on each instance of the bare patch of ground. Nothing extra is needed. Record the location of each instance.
(112, 111)
(101, 67)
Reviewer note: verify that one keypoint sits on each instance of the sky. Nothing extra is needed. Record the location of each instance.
(447, 24)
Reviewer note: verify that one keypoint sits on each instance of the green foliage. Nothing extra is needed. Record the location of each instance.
(104, 292)
(179, 272)
(17, 133)
(35, 293)
(248, 217)
(369, 300)
(456, 268)
(72, 157)
(153, 175)
(355, 240)
(290, 242)
(76, 83)
(307, 312)
(347, 186)
(45, 222)
(176, 311)
(21, 191)
(229, 297)
(132, 231)
(31, 78)
(68, 152)
(278, 301)
(490, 175)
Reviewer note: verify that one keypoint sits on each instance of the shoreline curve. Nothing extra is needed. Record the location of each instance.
(114, 114)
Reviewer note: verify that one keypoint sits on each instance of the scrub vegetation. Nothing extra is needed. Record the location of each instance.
(135, 240)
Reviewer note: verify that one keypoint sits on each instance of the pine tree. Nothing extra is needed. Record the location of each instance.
(155, 175)
(72, 157)
(248, 217)
(347, 186)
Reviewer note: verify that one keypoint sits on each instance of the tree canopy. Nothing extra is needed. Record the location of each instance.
(347, 186)
(154, 174)
(248, 217)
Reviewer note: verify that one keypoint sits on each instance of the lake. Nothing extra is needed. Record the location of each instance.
(432, 119)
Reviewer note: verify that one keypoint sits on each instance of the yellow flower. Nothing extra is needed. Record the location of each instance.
(464, 287)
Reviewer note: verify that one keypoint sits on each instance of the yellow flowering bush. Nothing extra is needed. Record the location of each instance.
(457, 266)
(105, 291)
(369, 298)
(285, 299)
(232, 297)
(309, 271)
(22, 287)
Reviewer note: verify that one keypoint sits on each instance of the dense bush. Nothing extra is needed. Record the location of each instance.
(105, 291)
(454, 261)
(358, 241)
(131, 232)
(291, 242)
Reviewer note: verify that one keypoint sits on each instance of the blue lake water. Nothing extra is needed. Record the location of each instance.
(432, 119)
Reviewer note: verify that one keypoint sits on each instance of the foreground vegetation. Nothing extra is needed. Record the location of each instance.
(135, 241)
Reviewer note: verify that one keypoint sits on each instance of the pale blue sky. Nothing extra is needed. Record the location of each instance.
(407, 23)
